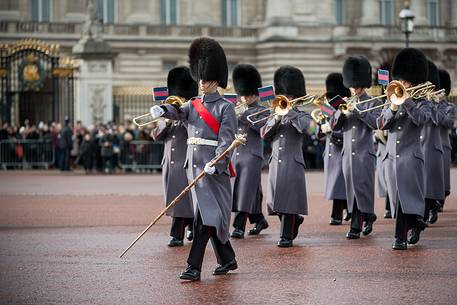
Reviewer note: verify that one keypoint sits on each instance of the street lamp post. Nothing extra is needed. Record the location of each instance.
(407, 22)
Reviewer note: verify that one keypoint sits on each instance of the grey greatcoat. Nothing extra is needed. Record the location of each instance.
(404, 159)
(380, 170)
(446, 117)
(433, 155)
(359, 156)
(212, 195)
(333, 167)
(287, 186)
(174, 176)
(247, 160)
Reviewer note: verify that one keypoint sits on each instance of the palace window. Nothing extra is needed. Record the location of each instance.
(41, 10)
(106, 11)
(169, 11)
(339, 12)
(386, 12)
(433, 12)
(230, 12)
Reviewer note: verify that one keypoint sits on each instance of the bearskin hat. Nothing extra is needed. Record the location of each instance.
(410, 65)
(207, 61)
(246, 80)
(289, 81)
(180, 83)
(433, 74)
(357, 72)
(445, 81)
(334, 86)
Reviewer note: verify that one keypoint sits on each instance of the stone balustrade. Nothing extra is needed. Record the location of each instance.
(318, 33)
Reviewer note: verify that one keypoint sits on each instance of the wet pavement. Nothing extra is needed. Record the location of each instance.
(61, 235)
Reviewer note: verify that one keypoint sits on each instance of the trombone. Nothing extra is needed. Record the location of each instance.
(398, 89)
(147, 119)
(281, 105)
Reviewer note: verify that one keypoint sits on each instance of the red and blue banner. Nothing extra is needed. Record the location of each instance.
(383, 77)
(266, 93)
(160, 93)
(230, 97)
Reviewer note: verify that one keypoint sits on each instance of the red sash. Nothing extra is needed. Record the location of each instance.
(212, 123)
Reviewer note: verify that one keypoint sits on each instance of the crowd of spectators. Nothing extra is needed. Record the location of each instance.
(103, 147)
(110, 147)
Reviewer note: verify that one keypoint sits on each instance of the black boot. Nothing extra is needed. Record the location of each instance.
(347, 216)
(190, 233)
(368, 228)
(190, 274)
(175, 242)
(353, 234)
(388, 214)
(285, 243)
(224, 269)
(399, 245)
(261, 225)
(237, 233)
(434, 213)
(334, 222)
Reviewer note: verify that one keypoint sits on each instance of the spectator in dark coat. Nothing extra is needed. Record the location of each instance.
(66, 144)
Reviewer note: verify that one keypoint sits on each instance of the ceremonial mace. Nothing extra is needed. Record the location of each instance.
(240, 139)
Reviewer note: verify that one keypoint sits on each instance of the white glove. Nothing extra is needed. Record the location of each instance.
(325, 128)
(156, 111)
(210, 170)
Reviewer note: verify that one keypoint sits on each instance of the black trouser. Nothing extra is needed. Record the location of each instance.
(289, 223)
(387, 203)
(224, 252)
(337, 208)
(357, 218)
(241, 217)
(403, 223)
(178, 226)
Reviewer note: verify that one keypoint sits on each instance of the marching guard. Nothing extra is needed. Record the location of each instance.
(448, 114)
(359, 156)
(335, 189)
(211, 129)
(286, 195)
(404, 158)
(174, 136)
(247, 159)
(433, 154)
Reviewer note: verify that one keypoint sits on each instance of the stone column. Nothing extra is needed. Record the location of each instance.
(419, 8)
(370, 12)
